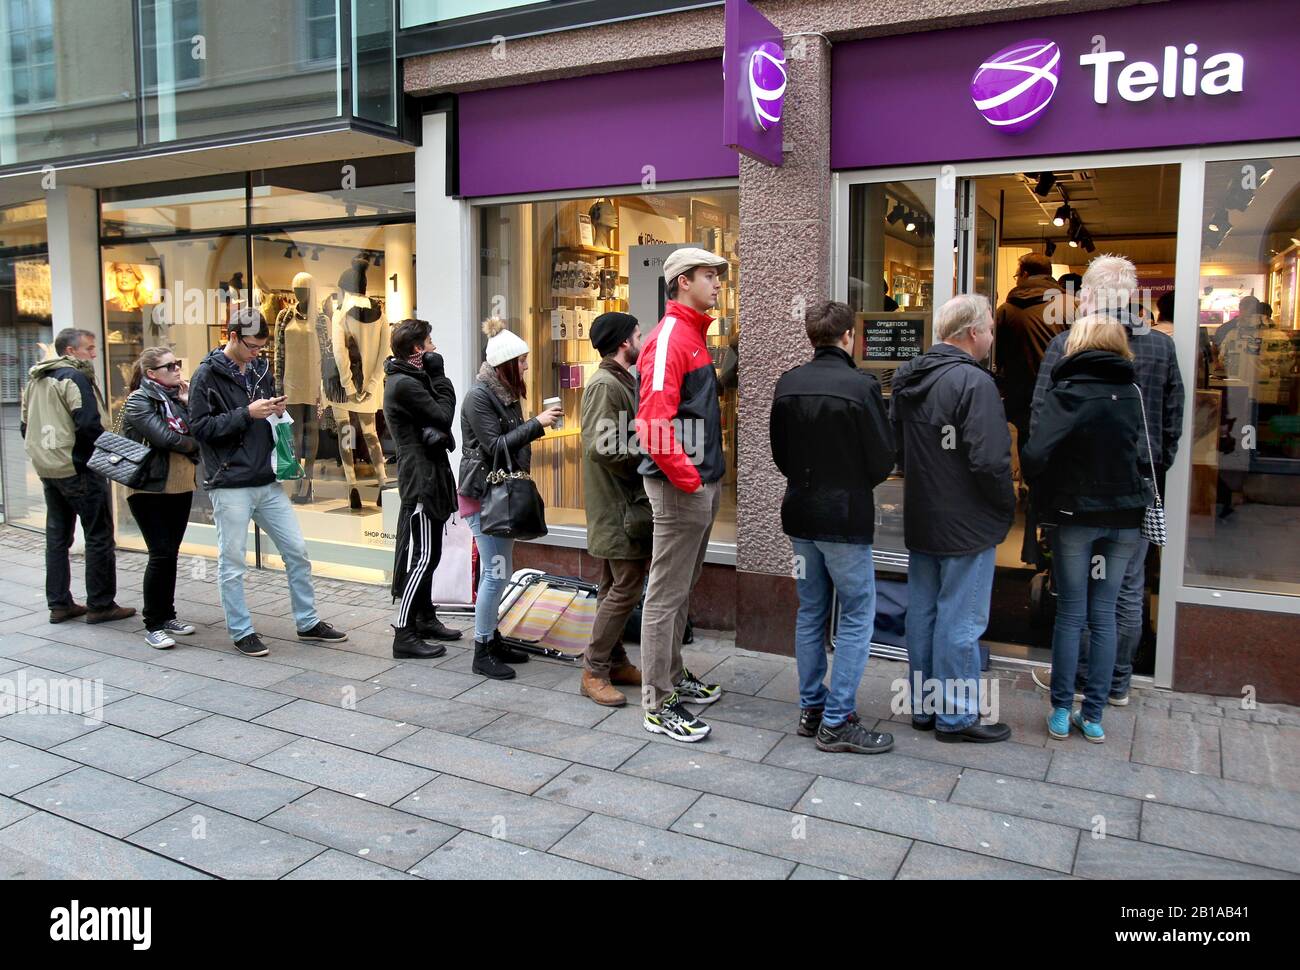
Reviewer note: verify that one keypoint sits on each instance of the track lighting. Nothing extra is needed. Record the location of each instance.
(1219, 221)
(896, 213)
(910, 225)
(1049, 248)
(1062, 215)
(1045, 182)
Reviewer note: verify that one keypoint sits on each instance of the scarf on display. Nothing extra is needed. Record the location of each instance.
(488, 375)
(174, 420)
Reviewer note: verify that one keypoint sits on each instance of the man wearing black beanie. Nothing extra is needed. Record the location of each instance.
(619, 520)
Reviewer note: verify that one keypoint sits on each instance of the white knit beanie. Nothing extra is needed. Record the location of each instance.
(503, 344)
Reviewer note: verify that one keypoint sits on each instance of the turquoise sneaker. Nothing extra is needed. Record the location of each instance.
(1091, 729)
(1058, 722)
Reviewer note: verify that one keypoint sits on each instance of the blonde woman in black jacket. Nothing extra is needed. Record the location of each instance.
(1081, 462)
(157, 414)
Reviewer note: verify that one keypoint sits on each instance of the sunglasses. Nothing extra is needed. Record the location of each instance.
(175, 365)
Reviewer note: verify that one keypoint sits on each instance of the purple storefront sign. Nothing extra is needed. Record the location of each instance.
(998, 91)
(659, 124)
(753, 65)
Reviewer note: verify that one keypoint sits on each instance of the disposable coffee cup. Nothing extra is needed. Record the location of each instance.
(553, 402)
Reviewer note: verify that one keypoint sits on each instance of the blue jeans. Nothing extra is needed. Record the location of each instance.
(1089, 563)
(844, 568)
(269, 507)
(947, 613)
(1128, 625)
(496, 564)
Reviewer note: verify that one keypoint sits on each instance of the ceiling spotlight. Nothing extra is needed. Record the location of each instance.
(1045, 182)
(288, 251)
(1074, 244)
(910, 224)
(1049, 248)
(1219, 221)
(1062, 215)
(896, 213)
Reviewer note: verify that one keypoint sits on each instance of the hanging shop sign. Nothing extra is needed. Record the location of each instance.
(754, 83)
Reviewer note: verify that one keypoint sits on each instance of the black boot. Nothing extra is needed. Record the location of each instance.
(407, 644)
(432, 628)
(488, 665)
(506, 653)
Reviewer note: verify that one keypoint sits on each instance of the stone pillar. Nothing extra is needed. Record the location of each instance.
(785, 260)
(72, 223)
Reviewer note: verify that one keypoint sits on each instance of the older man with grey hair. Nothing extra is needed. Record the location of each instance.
(1110, 287)
(958, 503)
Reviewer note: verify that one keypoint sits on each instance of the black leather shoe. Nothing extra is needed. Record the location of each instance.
(978, 733)
(810, 719)
(488, 665)
(922, 724)
(432, 628)
(504, 652)
(408, 645)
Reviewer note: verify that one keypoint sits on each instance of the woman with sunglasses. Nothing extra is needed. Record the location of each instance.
(156, 413)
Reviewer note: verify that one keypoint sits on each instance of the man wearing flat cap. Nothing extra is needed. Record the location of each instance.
(618, 512)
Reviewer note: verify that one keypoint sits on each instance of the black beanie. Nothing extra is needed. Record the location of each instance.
(609, 330)
(353, 279)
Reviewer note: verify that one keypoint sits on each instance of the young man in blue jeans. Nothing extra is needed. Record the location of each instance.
(831, 440)
(231, 395)
(958, 504)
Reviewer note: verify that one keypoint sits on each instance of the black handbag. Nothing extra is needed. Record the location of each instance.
(120, 459)
(512, 506)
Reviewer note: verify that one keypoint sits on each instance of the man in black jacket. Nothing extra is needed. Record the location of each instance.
(231, 396)
(958, 505)
(831, 439)
(419, 403)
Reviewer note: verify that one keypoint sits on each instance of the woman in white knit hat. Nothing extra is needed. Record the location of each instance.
(482, 426)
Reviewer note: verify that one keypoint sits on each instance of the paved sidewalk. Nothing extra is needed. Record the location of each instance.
(324, 762)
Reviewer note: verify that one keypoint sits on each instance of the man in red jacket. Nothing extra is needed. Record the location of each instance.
(679, 427)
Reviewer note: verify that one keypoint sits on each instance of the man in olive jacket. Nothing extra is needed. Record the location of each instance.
(619, 520)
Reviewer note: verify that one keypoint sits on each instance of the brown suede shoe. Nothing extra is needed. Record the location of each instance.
(625, 674)
(601, 691)
(61, 613)
(114, 612)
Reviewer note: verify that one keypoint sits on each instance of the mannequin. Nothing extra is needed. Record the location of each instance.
(359, 335)
(297, 375)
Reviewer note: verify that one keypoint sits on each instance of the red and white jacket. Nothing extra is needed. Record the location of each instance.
(678, 421)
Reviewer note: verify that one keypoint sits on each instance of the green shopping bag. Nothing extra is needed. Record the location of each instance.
(283, 462)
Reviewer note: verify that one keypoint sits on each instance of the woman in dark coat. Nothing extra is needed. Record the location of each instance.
(1082, 463)
(156, 413)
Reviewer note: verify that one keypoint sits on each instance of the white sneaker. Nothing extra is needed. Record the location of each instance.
(159, 640)
(178, 628)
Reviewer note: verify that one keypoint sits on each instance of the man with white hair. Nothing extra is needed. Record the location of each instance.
(958, 504)
(1110, 286)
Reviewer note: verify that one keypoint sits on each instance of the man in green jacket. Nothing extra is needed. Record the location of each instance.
(619, 520)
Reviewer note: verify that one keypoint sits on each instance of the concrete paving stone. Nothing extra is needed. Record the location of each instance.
(492, 811)
(235, 700)
(897, 772)
(686, 767)
(929, 861)
(53, 655)
(1262, 756)
(44, 727)
(361, 828)
(313, 656)
(34, 622)
(350, 616)
(225, 845)
(1125, 860)
(784, 686)
(201, 614)
(1182, 745)
(746, 675)
(1254, 843)
(559, 740)
(339, 866)
(798, 838)
(929, 820)
(535, 702)
(219, 665)
(755, 712)
(44, 846)
(143, 678)
(1049, 803)
(473, 856)
(491, 764)
(229, 738)
(345, 770)
(537, 672)
(122, 752)
(15, 644)
(251, 793)
(353, 729)
(312, 685)
(649, 853)
(612, 793)
(1184, 789)
(724, 739)
(11, 811)
(425, 679)
(102, 801)
(813, 874)
(150, 715)
(1005, 757)
(21, 595)
(450, 717)
(22, 766)
(10, 611)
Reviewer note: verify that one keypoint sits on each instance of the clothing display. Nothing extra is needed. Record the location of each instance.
(359, 344)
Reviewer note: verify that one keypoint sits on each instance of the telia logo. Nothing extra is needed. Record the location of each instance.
(767, 82)
(1013, 87)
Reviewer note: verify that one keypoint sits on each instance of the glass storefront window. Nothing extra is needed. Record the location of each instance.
(549, 268)
(363, 188)
(193, 205)
(374, 74)
(1244, 505)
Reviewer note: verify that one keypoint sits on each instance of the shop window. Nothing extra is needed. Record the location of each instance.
(549, 268)
(1244, 501)
(365, 188)
(189, 205)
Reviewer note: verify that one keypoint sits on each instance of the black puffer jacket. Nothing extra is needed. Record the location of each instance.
(481, 426)
(955, 450)
(416, 400)
(831, 440)
(236, 448)
(145, 420)
(1082, 457)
